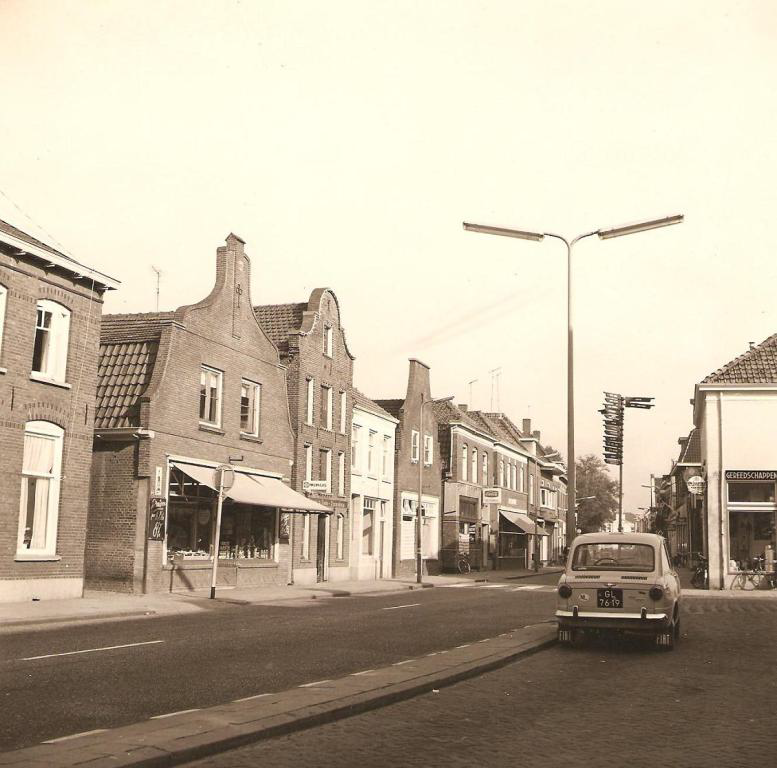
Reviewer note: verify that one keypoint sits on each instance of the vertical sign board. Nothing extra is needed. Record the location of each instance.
(157, 508)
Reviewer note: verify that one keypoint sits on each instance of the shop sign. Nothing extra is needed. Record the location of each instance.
(696, 484)
(492, 495)
(285, 526)
(315, 486)
(751, 474)
(157, 508)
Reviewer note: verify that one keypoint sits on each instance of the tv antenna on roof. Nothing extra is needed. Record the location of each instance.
(469, 384)
(495, 374)
(158, 276)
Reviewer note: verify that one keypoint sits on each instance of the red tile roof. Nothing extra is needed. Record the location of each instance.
(128, 350)
(360, 399)
(756, 366)
(279, 320)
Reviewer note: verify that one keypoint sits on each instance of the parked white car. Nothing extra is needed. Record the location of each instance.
(619, 582)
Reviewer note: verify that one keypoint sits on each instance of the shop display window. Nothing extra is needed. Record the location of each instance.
(750, 533)
(751, 492)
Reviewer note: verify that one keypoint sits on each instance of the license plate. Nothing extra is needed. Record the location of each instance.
(609, 598)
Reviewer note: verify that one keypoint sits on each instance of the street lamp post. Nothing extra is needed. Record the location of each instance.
(604, 234)
(418, 559)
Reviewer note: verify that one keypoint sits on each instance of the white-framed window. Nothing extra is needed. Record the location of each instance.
(306, 537)
(3, 299)
(355, 435)
(464, 457)
(502, 473)
(309, 403)
(544, 497)
(341, 473)
(485, 468)
(308, 462)
(325, 455)
(328, 340)
(368, 525)
(340, 536)
(521, 479)
(386, 456)
(513, 476)
(52, 331)
(531, 489)
(473, 475)
(428, 451)
(39, 499)
(211, 382)
(414, 447)
(250, 407)
(326, 406)
(371, 463)
(343, 412)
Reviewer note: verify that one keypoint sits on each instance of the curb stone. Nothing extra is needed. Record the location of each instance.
(193, 735)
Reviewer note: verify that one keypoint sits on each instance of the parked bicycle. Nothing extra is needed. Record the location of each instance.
(755, 577)
(463, 564)
(700, 578)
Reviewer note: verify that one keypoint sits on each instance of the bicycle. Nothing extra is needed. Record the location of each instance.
(700, 575)
(748, 580)
(463, 564)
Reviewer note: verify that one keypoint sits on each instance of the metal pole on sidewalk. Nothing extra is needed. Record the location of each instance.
(418, 560)
(217, 535)
(620, 497)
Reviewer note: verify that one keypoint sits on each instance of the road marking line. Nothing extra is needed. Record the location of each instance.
(363, 672)
(74, 736)
(484, 640)
(310, 685)
(457, 586)
(493, 586)
(249, 698)
(433, 653)
(394, 607)
(466, 645)
(398, 663)
(173, 714)
(91, 650)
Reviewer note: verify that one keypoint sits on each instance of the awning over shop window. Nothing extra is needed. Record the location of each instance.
(524, 522)
(255, 489)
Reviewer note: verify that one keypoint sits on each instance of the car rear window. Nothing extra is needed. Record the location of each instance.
(608, 556)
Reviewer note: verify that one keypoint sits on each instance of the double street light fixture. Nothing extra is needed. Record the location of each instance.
(604, 234)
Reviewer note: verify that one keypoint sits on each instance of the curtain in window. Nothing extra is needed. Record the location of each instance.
(39, 456)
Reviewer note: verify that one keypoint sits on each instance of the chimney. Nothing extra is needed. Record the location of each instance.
(418, 379)
(526, 429)
(752, 344)
(536, 435)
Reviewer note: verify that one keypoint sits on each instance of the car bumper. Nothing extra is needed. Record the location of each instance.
(630, 622)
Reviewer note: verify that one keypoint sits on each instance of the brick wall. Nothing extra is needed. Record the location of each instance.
(71, 408)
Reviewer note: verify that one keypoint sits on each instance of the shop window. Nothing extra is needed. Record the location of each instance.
(39, 499)
(368, 526)
(750, 533)
(247, 532)
(306, 537)
(52, 331)
(250, 407)
(210, 396)
(751, 492)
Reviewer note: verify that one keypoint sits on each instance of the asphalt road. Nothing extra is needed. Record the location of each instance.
(72, 679)
(710, 702)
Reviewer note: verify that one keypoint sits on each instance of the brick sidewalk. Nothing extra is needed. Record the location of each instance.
(180, 737)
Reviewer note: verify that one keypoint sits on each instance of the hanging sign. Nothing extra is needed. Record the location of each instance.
(696, 484)
(492, 495)
(157, 508)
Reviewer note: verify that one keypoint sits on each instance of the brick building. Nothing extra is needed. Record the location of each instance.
(50, 314)
(179, 394)
(417, 460)
(319, 368)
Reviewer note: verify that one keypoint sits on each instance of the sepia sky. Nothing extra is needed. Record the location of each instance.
(347, 141)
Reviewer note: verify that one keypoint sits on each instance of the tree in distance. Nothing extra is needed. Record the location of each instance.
(594, 480)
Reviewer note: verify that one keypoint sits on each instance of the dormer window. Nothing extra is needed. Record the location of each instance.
(52, 331)
(328, 340)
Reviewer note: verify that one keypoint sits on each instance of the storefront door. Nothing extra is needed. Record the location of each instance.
(321, 548)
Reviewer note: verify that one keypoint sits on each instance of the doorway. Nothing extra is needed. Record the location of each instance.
(321, 548)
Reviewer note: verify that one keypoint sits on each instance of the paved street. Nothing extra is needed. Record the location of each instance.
(78, 678)
(708, 703)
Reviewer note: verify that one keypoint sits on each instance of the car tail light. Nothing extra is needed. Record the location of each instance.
(656, 593)
(565, 591)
